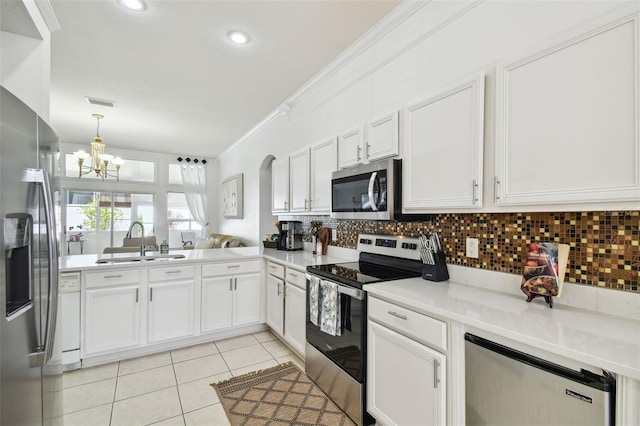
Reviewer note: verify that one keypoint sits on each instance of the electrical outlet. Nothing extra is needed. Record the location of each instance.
(472, 247)
(334, 234)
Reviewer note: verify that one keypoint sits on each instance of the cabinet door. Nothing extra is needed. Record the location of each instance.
(275, 304)
(442, 151)
(246, 299)
(170, 310)
(324, 160)
(110, 319)
(350, 148)
(217, 303)
(405, 380)
(299, 181)
(565, 133)
(280, 186)
(382, 137)
(295, 331)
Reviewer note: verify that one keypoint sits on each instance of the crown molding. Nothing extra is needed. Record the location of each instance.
(48, 15)
(396, 17)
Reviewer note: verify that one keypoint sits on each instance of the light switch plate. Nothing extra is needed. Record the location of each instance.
(472, 247)
(334, 234)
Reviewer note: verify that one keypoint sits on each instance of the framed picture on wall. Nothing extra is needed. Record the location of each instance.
(232, 197)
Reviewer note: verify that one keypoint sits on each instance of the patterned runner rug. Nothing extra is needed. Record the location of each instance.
(280, 395)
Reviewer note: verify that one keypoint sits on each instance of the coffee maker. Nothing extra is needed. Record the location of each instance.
(290, 237)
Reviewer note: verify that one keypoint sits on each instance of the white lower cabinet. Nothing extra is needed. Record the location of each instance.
(295, 317)
(170, 310)
(217, 299)
(111, 319)
(230, 295)
(127, 309)
(275, 304)
(286, 305)
(405, 379)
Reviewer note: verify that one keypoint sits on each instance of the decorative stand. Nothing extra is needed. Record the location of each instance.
(531, 296)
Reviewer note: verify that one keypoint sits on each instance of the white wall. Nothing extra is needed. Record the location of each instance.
(418, 49)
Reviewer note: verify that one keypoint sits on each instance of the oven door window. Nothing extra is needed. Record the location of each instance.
(361, 193)
(344, 350)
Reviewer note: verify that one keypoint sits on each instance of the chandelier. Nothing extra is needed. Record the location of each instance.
(100, 161)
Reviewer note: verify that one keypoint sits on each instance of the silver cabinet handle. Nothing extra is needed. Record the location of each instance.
(151, 295)
(395, 314)
(230, 284)
(293, 275)
(273, 267)
(232, 266)
(177, 271)
(358, 153)
(368, 150)
(436, 371)
(305, 204)
(285, 205)
(235, 283)
(137, 291)
(496, 182)
(474, 192)
(278, 289)
(112, 276)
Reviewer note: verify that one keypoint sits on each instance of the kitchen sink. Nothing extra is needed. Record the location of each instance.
(121, 259)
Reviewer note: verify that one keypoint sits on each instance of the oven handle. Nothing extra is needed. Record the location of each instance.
(350, 291)
(343, 289)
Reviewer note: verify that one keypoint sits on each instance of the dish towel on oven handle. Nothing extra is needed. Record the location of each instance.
(330, 308)
(314, 290)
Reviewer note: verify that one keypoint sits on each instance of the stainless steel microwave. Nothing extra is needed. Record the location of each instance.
(369, 191)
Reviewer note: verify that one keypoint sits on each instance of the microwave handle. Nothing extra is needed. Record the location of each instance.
(372, 182)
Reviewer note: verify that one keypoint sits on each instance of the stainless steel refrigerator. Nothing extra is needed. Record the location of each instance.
(30, 359)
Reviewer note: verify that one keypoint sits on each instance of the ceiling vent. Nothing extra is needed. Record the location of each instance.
(101, 102)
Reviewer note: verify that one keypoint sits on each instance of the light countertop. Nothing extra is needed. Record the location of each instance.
(88, 261)
(601, 340)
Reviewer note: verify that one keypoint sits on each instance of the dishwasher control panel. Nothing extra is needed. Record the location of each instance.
(69, 282)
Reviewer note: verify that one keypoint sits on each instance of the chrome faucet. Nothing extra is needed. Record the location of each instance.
(134, 223)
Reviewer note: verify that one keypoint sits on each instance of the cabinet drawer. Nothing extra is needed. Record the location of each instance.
(231, 268)
(296, 278)
(422, 328)
(275, 269)
(109, 278)
(171, 273)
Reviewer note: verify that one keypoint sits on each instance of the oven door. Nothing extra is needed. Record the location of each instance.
(347, 349)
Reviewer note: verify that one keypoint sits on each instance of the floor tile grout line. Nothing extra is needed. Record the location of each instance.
(113, 403)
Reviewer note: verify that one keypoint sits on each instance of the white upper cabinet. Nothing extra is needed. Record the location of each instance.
(442, 149)
(299, 181)
(382, 137)
(280, 186)
(566, 129)
(323, 156)
(307, 179)
(350, 148)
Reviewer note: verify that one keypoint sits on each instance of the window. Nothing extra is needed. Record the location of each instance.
(132, 170)
(102, 219)
(179, 219)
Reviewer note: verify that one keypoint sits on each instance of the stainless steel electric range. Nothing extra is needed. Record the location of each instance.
(337, 316)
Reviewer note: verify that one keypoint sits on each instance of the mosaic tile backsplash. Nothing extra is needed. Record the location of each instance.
(605, 246)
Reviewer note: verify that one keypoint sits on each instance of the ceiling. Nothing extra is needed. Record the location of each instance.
(180, 86)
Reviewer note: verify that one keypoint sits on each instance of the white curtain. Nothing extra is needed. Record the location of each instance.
(194, 180)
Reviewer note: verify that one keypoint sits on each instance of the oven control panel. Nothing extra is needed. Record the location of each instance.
(390, 245)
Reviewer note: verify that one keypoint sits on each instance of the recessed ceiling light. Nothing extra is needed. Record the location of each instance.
(136, 5)
(238, 37)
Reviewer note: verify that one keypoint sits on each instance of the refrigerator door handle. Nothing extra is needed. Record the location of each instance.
(41, 178)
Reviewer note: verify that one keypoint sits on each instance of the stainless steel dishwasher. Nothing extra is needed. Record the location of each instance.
(508, 387)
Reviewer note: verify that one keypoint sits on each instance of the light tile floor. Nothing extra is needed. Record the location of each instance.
(169, 388)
